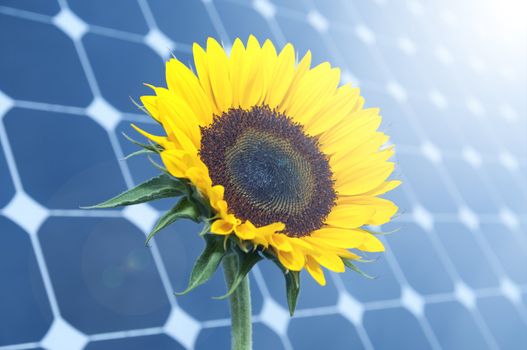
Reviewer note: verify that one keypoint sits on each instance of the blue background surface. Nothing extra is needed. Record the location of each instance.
(450, 79)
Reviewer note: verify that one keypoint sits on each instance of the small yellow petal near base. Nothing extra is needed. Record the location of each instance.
(245, 231)
(224, 226)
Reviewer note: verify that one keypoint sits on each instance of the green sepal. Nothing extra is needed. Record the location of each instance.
(206, 228)
(292, 284)
(381, 233)
(352, 266)
(158, 166)
(202, 202)
(150, 146)
(246, 261)
(137, 153)
(184, 209)
(143, 108)
(158, 187)
(207, 263)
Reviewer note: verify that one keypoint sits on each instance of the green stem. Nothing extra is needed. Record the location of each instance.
(240, 300)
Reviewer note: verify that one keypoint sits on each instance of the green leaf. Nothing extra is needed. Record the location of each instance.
(207, 263)
(161, 186)
(292, 284)
(246, 261)
(352, 266)
(185, 209)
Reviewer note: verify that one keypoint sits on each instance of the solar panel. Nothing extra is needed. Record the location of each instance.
(453, 97)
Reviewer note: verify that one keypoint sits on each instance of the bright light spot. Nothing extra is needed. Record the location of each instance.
(500, 21)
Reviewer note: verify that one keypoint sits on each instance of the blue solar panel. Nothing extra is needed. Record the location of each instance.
(453, 98)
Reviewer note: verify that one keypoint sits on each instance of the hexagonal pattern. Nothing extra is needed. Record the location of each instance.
(459, 128)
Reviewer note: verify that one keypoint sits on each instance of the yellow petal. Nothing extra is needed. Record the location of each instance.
(281, 242)
(252, 76)
(349, 216)
(200, 178)
(202, 68)
(301, 243)
(269, 59)
(245, 230)
(341, 238)
(178, 120)
(350, 156)
(221, 207)
(265, 233)
(183, 82)
(282, 76)
(384, 209)
(220, 80)
(272, 228)
(235, 64)
(346, 254)
(372, 244)
(260, 240)
(315, 271)
(351, 131)
(160, 140)
(216, 193)
(383, 188)
(312, 92)
(336, 109)
(363, 180)
(293, 260)
(223, 226)
(330, 261)
(150, 103)
(178, 162)
(300, 70)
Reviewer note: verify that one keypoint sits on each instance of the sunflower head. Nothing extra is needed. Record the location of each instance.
(277, 158)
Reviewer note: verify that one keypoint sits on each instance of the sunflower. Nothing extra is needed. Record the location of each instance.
(289, 161)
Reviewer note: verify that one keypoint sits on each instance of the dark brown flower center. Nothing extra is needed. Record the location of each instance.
(271, 170)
